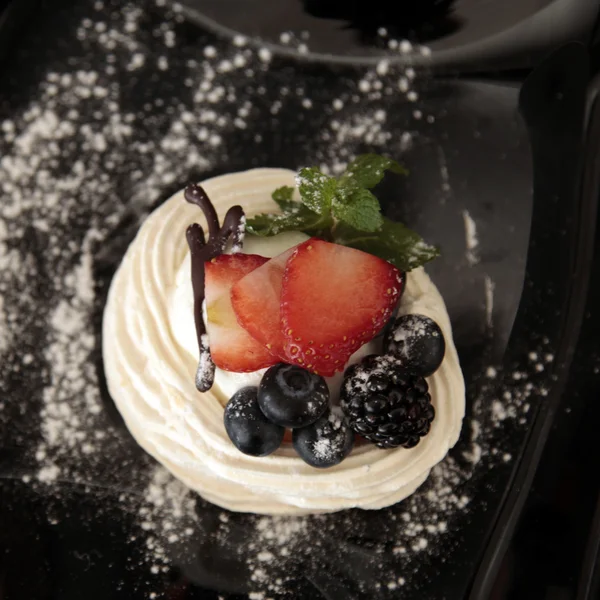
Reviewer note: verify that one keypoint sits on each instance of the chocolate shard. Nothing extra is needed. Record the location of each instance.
(201, 251)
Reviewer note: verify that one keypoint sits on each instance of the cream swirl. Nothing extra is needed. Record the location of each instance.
(150, 376)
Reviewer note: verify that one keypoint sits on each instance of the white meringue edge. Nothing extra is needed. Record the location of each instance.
(151, 379)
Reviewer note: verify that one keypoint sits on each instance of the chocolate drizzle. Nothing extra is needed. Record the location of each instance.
(202, 251)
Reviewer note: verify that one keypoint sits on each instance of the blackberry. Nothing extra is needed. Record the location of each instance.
(386, 404)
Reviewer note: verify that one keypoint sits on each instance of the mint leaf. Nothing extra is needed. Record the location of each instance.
(394, 242)
(294, 217)
(297, 218)
(367, 170)
(344, 210)
(359, 209)
(317, 190)
(283, 196)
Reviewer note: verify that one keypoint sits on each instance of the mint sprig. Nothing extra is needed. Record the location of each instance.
(298, 218)
(344, 210)
(367, 170)
(394, 242)
(317, 190)
(284, 197)
(358, 208)
(294, 216)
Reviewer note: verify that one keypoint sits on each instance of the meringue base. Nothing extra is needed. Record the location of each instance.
(150, 374)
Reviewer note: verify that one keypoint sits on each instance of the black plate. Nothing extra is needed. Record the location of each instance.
(468, 35)
(83, 510)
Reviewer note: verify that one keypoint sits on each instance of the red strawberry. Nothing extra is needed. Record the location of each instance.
(256, 300)
(232, 348)
(334, 299)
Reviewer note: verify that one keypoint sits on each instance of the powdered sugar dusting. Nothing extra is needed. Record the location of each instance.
(409, 332)
(239, 237)
(205, 373)
(471, 240)
(381, 366)
(167, 515)
(90, 155)
(323, 448)
(63, 420)
(348, 130)
(331, 438)
(489, 300)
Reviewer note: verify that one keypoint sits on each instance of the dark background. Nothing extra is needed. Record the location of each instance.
(69, 543)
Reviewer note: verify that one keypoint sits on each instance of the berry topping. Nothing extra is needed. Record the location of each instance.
(291, 396)
(334, 299)
(249, 430)
(256, 301)
(232, 348)
(326, 442)
(418, 342)
(385, 404)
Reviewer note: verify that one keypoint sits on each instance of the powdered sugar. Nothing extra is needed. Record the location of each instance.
(279, 548)
(239, 237)
(296, 41)
(489, 287)
(71, 341)
(411, 328)
(98, 145)
(349, 129)
(331, 442)
(323, 448)
(379, 366)
(471, 240)
(412, 339)
(167, 514)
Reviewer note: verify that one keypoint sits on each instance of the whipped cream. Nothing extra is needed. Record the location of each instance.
(150, 356)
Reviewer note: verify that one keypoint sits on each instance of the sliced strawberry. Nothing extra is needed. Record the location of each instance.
(334, 299)
(232, 348)
(256, 300)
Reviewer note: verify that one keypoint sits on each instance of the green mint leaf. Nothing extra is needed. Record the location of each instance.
(359, 209)
(296, 218)
(367, 170)
(344, 211)
(317, 190)
(394, 242)
(283, 196)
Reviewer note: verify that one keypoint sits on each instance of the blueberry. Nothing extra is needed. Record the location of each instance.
(326, 442)
(248, 428)
(418, 342)
(291, 396)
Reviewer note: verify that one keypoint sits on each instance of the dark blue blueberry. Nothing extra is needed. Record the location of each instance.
(248, 428)
(418, 342)
(292, 396)
(326, 442)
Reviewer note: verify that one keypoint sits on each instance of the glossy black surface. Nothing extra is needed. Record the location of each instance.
(560, 523)
(465, 35)
(555, 100)
(85, 539)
